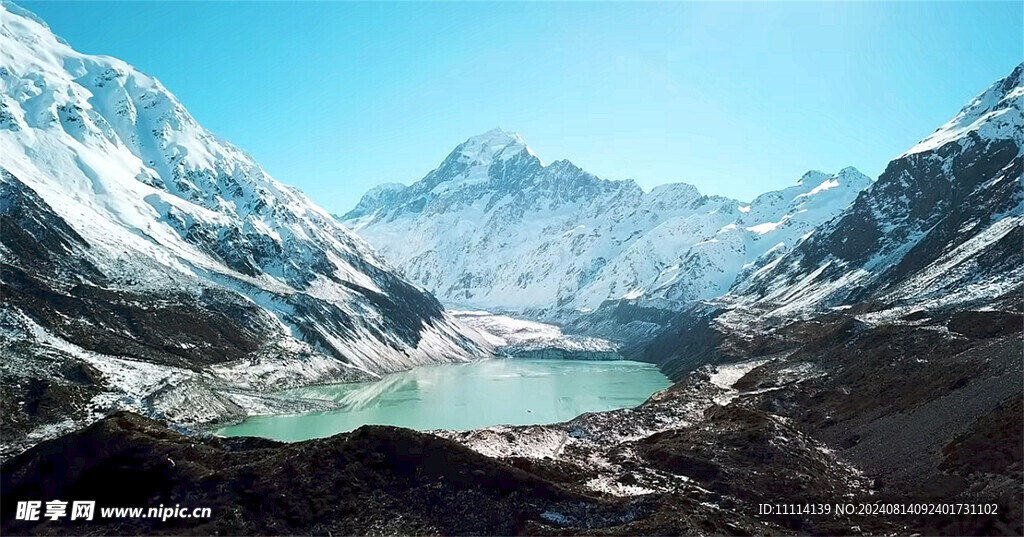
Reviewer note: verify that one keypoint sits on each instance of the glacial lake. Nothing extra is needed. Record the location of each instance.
(466, 396)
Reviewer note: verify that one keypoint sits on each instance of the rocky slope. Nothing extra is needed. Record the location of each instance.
(381, 480)
(939, 234)
(148, 264)
(893, 334)
(494, 228)
(942, 229)
(696, 459)
(942, 226)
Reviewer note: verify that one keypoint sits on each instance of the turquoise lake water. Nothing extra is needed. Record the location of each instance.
(467, 396)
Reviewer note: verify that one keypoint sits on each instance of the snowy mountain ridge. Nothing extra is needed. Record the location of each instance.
(148, 233)
(494, 228)
(942, 226)
(994, 114)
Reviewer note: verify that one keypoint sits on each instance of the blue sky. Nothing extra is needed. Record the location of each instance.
(736, 98)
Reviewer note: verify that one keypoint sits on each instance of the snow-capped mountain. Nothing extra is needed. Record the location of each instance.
(494, 228)
(942, 226)
(130, 231)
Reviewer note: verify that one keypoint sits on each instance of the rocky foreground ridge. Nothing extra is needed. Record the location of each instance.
(836, 412)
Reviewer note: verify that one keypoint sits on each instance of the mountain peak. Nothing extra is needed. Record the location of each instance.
(498, 134)
(993, 114)
(813, 177)
(492, 145)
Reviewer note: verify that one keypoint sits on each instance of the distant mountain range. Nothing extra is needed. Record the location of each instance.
(494, 228)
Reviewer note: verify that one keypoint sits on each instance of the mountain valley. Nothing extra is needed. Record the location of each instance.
(842, 341)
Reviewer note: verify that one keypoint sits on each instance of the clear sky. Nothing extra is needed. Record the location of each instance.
(736, 98)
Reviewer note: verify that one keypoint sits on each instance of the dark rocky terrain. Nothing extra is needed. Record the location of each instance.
(893, 334)
(927, 409)
(837, 412)
(374, 480)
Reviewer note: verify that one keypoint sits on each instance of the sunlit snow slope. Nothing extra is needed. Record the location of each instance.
(494, 228)
(130, 231)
